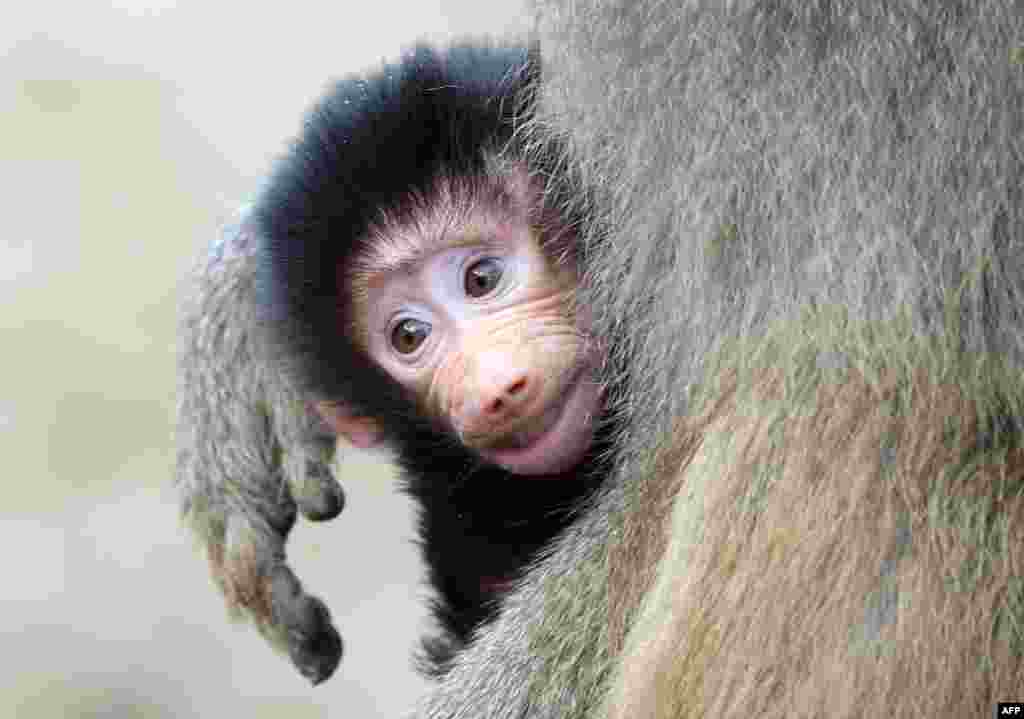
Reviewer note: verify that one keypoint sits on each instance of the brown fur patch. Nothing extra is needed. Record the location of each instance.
(633, 561)
(815, 572)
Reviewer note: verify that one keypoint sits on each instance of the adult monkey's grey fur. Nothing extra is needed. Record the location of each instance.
(816, 277)
(250, 454)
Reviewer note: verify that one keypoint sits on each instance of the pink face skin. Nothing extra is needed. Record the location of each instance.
(563, 432)
(482, 331)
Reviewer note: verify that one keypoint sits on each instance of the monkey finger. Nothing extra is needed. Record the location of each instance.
(316, 492)
(250, 568)
(304, 624)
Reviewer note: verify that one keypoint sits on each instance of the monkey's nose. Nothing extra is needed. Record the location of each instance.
(508, 399)
(498, 394)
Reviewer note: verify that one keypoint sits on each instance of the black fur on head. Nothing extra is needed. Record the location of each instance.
(370, 144)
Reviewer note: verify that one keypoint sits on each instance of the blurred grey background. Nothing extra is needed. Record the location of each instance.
(128, 132)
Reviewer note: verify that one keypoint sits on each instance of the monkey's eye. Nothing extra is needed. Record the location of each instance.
(408, 335)
(483, 276)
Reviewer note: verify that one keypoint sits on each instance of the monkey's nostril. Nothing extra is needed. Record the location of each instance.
(516, 387)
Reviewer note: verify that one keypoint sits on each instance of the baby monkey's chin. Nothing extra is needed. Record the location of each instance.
(561, 437)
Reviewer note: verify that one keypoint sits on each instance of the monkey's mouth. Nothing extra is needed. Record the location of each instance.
(558, 440)
(524, 438)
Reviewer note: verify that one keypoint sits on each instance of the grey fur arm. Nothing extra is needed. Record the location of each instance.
(250, 454)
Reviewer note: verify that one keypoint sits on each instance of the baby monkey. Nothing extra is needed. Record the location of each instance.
(406, 277)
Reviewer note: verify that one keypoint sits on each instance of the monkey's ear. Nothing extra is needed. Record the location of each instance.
(362, 432)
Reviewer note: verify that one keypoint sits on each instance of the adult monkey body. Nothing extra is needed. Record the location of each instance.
(410, 273)
(817, 214)
(816, 276)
